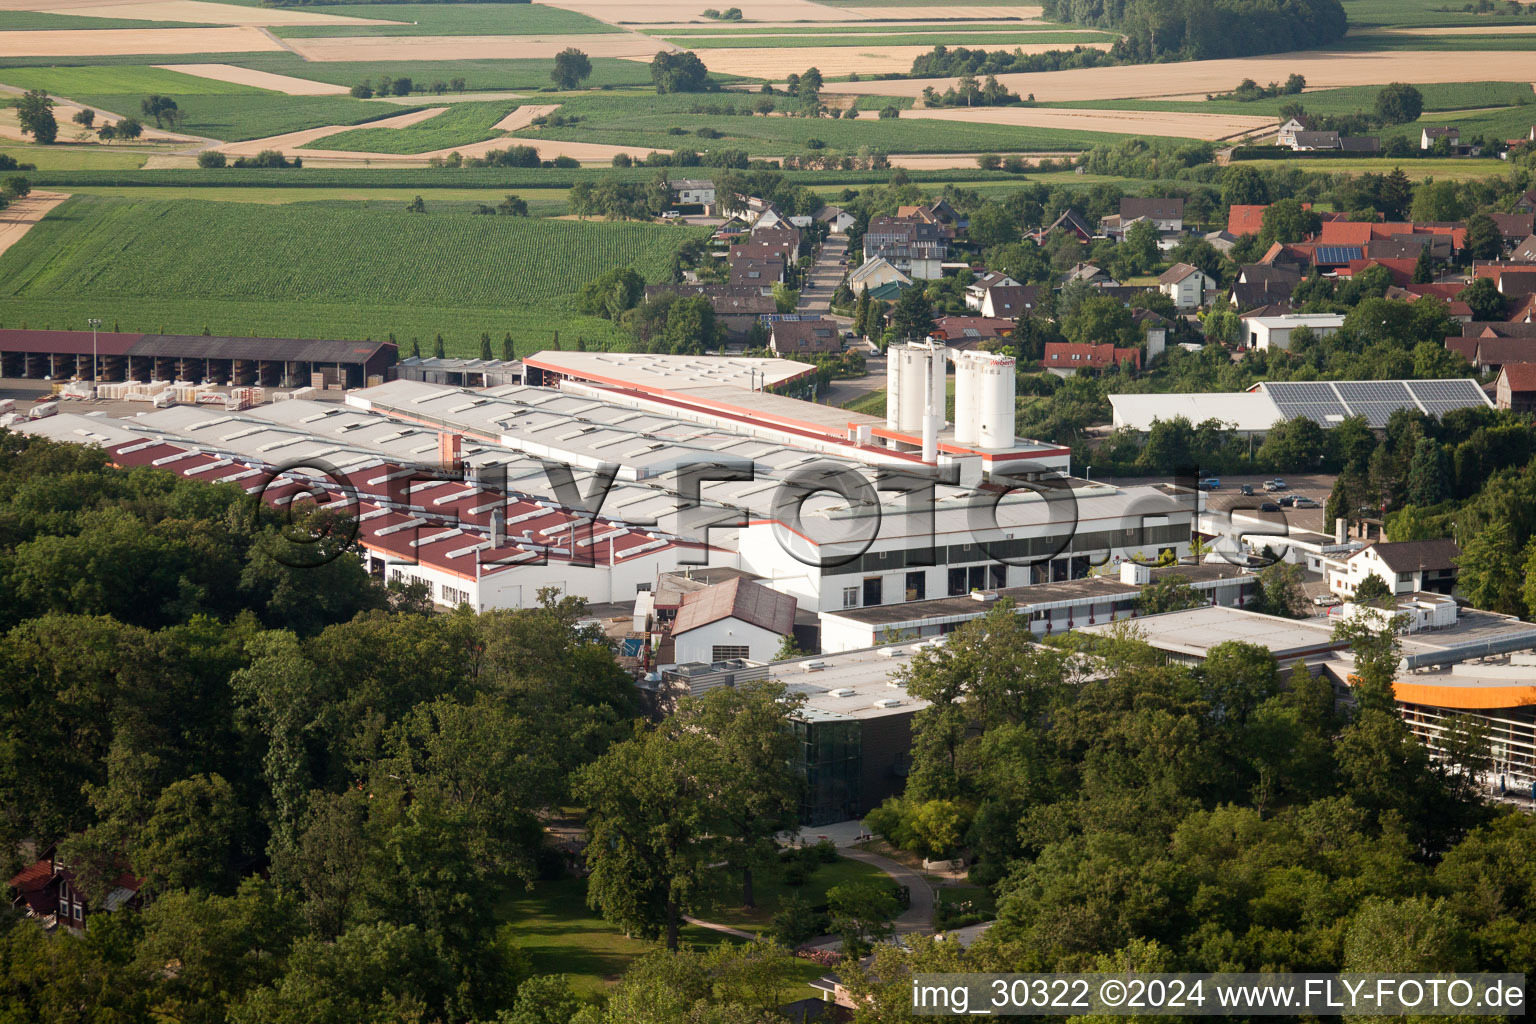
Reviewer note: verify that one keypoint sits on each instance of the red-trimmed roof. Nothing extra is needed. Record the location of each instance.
(1062, 353)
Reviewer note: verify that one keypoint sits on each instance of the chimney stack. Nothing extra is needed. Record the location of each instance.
(1340, 530)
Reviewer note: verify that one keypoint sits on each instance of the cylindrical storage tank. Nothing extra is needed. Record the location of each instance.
(914, 388)
(967, 399)
(997, 407)
(893, 389)
(938, 379)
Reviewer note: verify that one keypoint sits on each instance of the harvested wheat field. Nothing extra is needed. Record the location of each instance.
(293, 140)
(17, 219)
(122, 42)
(523, 116)
(586, 152)
(190, 11)
(840, 60)
(643, 12)
(939, 12)
(1119, 122)
(959, 161)
(259, 79)
(1323, 70)
(380, 48)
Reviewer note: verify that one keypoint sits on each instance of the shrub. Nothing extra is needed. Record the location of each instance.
(211, 158)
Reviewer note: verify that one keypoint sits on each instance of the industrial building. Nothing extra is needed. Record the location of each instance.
(265, 362)
(1326, 402)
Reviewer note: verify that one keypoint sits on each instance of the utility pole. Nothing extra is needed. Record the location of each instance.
(95, 325)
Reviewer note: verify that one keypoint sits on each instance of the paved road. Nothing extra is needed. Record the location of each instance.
(823, 277)
(918, 918)
(841, 392)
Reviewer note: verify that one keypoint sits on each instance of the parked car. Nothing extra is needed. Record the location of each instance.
(1268, 506)
(1276, 484)
(1245, 489)
(1210, 483)
(1302, 501)
(1289, 501)
(1326, 601)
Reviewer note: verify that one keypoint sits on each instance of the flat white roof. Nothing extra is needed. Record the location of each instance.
(1299, 320)
(673, 373)
(1244, 410)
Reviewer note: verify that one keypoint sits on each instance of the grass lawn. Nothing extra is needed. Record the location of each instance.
(871, 404)
(451, 20)
(562, 935)
(769, 889)
(982, 901)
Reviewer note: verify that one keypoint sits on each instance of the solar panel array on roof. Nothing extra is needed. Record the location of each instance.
(1327, 402)
(1339, 254)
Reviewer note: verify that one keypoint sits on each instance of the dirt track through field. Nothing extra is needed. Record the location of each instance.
(1119, 122)
(17, 219)
(523, 116)
(189, 11)
(1144, 81)
(120, 42)
(840, 60)
(258, 79)
(381, 48)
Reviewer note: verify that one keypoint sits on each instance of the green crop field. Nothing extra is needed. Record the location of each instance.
(321, 271)
(542, 202)
(1441, 169)
(80, 158)
(452, 20)
(112, 81)
(1425, 13)
(1438, 97)
(1002, 39)
(1385, 41)
(871, 28)
(459, 125)
(13, 21)
(650, 120)
(255, 116)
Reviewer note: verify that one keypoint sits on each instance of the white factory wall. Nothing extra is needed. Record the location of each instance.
(519, 586)
(699, 644)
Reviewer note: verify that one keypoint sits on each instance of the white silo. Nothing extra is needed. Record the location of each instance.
(910, 385)
(997, 403)
(967, 398)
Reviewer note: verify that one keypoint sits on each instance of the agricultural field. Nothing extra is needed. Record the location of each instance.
(542, 202)
(26, 21)
(452, 20)
(789, 40)
(1448, 96)
(459, 125)
(1378, 14)
(321, 271)
(120, 80)
(1445, 169)
(79, 158)
(668, 122)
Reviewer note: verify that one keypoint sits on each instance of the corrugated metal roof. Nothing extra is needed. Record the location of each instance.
(288, 349)
(78, 343)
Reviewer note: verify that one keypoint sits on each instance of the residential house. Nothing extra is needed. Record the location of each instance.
(693, 192)
(1010, 301)
(1259, 285)
(1089, 274)
(1430, 136)
(1401, 269)
(1220, 241)
(914, 247)
(1490, 354)
(1166, 215)
(882, 279)
(47, 890)
(1406, 567)
(804, 337)
(1359, 144)
(976, 291)
(1514, 228)
(971, 331)
(1527, 201)
(1524, 251)
(737, 308)
(1267, 332)
(1307, 141)
(837, 219)
(762, 274)
(1515, 389)
(1287, 133)
(1249, 219)
(1186, 285)
(1515, 280)
(1408, 247)
(734, 620)
(768, 244)
(1071, 222)
(1066, 359)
